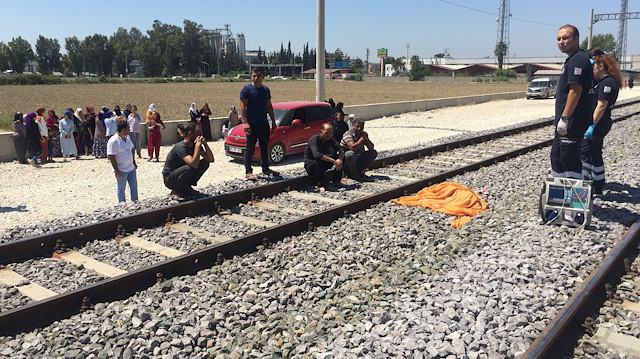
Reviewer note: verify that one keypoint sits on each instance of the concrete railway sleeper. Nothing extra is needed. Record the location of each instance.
(115, 283)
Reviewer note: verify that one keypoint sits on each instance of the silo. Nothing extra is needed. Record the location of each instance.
(242, 50)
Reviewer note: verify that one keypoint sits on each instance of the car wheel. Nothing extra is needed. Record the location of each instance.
(276, 153)
(528, 98)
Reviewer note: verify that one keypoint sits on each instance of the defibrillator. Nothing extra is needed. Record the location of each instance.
(566, 201)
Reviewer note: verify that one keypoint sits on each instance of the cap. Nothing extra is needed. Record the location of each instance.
(352, 116)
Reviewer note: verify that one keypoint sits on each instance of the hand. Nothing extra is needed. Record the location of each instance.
(247, 128)
(67, 135)
(588, 134)
(563, 126)
(135, 164)
(199, 140)
(118, 174)
(338, 164)
(365, 136)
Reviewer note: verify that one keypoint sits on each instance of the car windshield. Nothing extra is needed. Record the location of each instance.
(283, 116)
(539, 84)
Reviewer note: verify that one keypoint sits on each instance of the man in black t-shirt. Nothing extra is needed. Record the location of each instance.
(574, 105)
(322, 153)
(186, 162)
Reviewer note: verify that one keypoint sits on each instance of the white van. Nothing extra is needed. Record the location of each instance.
(542, 88)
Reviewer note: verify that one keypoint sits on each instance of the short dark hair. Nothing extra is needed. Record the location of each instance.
(257, 69)
(122, 124)
(17, 116)
(574, 30)
(358, 121)
(190, 127)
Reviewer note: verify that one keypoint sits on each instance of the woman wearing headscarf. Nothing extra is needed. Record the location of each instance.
(54, 135)
(150, 111)
(231, 122)
(100, 138)
(20, 137)
(193, 113)
(78, 120)
(89, 127)
(44, 134)
(205, 112)
(34, 144)
(155, 136)
(67, 142)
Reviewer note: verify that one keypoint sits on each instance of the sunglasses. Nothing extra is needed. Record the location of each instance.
(603, 53)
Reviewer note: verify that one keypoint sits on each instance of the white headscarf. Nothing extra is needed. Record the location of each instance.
(193, 108)
(77, 114)
(152, 107)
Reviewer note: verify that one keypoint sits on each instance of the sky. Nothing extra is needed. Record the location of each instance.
(464, 28)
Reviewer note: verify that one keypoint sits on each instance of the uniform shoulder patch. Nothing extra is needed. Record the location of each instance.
(577, 71)
(606, 89)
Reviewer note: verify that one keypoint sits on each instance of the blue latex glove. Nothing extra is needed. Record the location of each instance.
(588, 134)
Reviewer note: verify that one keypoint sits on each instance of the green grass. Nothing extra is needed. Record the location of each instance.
(6, 124)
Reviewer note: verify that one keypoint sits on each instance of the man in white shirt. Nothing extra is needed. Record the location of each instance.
(120, 151)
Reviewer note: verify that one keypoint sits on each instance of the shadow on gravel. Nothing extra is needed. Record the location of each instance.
(612, 205)
(20, 208)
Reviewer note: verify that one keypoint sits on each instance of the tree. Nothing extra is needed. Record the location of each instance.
(48, 51)
(416, 73)
(148, 53)
(529, 72)
(604, 41)
(19, 54)
(192, 46)
(500, 51)
(356, 64)
(73, 60)
(123, 42)
(4, 57)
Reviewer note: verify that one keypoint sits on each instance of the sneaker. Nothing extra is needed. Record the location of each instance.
(250, 177)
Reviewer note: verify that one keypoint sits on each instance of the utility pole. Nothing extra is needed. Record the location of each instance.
(622, 16)
(406, 60)
(320, 53)
(366, 64)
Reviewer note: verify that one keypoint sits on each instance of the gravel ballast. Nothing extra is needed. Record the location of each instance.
(391, 281)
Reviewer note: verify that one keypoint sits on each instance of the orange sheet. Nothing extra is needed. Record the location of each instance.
(450, 198)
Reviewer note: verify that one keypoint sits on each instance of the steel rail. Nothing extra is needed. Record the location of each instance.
(61, 306)
(564, 329)
(44, 244)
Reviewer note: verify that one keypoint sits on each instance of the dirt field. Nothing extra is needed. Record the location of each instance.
(173, 99)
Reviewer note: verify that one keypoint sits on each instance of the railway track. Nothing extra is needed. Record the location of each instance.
(198, 226)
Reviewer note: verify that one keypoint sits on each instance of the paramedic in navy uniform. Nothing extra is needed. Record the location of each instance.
(574, 105)
(609, 80)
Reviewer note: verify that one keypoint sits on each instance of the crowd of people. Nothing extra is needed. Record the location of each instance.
(116, 135)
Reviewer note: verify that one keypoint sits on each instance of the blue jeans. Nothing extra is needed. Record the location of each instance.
(36, 156)
(122, 184)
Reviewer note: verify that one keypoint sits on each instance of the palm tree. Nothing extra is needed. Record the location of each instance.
(500, 52)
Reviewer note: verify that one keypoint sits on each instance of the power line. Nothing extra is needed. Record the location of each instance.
(495, 14)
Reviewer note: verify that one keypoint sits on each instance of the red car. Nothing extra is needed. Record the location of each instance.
(296, 122)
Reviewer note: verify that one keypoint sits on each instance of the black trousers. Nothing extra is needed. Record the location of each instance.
(591, 157)
(565, 158)
(316, 169)
(259, 134)
(20, 144)
(183, 177)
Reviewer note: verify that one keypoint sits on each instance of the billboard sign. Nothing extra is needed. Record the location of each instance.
(382, 53)
(341, 65)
